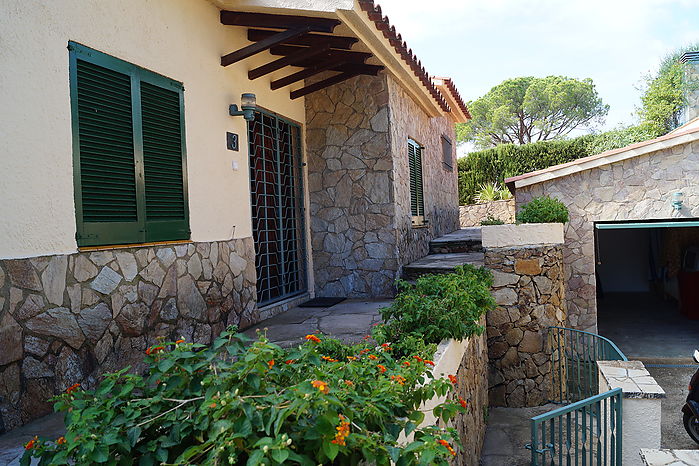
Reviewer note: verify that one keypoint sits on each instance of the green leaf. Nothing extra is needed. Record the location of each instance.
(100, 454)
(166, 364)
(256, 458)
(330, 449)
(280, 455)
(133, 434)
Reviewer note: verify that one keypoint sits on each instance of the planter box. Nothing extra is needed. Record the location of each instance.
(524, 234)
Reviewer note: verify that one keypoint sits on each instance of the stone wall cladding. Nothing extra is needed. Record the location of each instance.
(67, 319)
(473, 214)
(350, 189)
(529, 290)
(440, 186)
(634, 189)
(472, 386)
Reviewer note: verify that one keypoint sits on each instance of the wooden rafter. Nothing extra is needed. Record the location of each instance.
(323, 84)
(307, 73)
(288, 60)
(264, 44)
(265, 20)
(347, 54)
(310, 40)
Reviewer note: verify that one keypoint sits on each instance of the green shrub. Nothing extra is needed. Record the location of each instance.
(490, 220)
(493, 166)
(241, 403)
(543, 210)
(438, 307)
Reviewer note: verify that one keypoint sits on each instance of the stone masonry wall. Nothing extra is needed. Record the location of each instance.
(350, 189)
(440, 186)
(472, 215)
(472, 386)
(529, 290)
(69, 318)
(634, 189)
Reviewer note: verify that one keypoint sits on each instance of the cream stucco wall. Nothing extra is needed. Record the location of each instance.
(181, 39)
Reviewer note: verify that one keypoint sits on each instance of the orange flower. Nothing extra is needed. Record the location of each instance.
(381, 367)
(72, 388)
(270, 363)
(418, 358)
(351, 358)
(349, 383)
(406, 363)
(321, 386)
(445, 444)
(386, 347)
(30, 444)
(329, 359)
(366, 337)
(290, 361)
(60, 440)
(462, 402)
(212, 405)
(399, 379)
(313, 338)
(154, 350)
(343, 431)
(427, 361)
(179, 341)
(373, 357)
(364, 351)
(452, 379)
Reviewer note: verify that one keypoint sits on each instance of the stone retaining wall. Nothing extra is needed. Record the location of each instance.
(473, 214)
(67, 319)
(530, 292)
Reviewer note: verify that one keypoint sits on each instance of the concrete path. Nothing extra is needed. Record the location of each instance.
(507, 433)
(348, 321)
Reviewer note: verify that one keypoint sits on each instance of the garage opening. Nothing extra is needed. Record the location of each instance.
(648, 287)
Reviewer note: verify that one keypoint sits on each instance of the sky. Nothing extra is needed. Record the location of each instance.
(480, 43)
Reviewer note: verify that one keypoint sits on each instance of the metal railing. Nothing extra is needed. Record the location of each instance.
(574, 356)
(588, 432)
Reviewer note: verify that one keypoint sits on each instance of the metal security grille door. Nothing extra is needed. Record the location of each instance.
(277, 207)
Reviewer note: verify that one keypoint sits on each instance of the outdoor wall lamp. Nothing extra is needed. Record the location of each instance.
(677, 200)
(248, 104)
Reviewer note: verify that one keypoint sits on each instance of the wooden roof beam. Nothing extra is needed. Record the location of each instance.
(307, 73)
(265, 20)
(261, 46)
(289, 60)
(336, 42)
(349, 55)
(323, 84)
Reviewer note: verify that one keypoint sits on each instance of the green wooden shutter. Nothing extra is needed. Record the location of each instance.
(417, 203)
(163, 163)
(106, 181)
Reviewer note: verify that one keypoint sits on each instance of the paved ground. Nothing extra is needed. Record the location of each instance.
(507, 433)
(348, 321)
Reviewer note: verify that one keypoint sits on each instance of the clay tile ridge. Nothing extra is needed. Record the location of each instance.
(383, 24)
(455, 94)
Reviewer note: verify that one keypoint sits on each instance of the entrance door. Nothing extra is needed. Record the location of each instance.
(277, 207)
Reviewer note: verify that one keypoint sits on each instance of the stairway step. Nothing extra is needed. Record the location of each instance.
(459, 241)
(441, 263)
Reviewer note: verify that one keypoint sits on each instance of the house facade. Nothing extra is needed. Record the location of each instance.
(137, 204)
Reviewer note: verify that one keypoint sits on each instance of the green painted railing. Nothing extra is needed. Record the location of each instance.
(587, 432)
(574, 356)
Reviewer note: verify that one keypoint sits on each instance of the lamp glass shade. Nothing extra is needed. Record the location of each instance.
(248, 101)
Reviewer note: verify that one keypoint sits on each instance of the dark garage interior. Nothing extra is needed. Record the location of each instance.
(648, 287)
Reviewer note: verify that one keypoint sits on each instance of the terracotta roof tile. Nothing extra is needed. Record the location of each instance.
(383, 24)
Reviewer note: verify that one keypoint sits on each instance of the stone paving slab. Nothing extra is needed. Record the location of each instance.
(464, 234)
(11, 443)
(447, 261)
(652, 457)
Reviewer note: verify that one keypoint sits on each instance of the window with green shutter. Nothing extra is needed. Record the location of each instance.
(129, 152)
(417, 202)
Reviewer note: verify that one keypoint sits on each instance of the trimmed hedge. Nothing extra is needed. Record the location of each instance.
(500, 162)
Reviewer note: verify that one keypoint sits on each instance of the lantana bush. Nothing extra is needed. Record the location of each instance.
(254, 403)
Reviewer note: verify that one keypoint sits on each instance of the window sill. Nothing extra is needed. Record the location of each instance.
(137, 245)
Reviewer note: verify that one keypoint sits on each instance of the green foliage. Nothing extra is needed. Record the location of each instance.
(489, 192)
(498, 163)
(490, 220)
(664, 95)
(439, 307)
(529, 109)
(543, 210)
(241, 403)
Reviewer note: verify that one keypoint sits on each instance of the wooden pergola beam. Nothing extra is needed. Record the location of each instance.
(312, 40)
(265, 20)
(348, 55)
(307, 73)
(323, 84)
(289, 60)
(264, 44)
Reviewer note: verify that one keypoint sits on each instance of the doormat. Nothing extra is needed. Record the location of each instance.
(322, 302)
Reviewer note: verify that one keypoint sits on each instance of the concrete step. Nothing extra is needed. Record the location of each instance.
(463, 240)
(441, 263)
